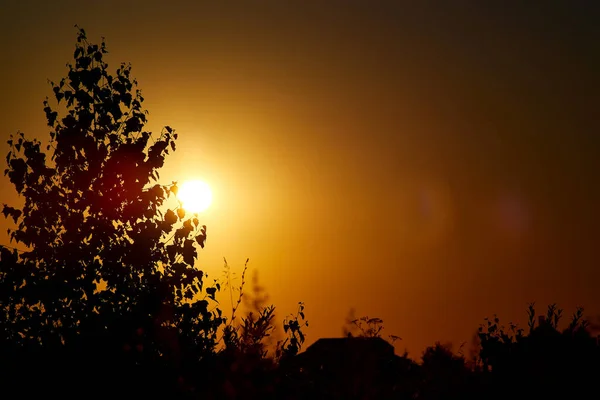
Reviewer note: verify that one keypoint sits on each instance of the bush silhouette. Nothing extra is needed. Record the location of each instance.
(546, 361)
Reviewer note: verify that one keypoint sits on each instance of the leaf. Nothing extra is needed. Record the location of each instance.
(210, 292)
(170, 217)
(171, 252)
(201, 306)
(201, 240)
(189, 252)
(180, 213)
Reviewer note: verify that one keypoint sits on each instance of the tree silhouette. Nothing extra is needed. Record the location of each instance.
(108, 272)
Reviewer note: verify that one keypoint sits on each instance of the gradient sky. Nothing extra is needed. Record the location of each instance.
(427, 164)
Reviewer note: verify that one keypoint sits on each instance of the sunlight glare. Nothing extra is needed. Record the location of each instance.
(195, 196)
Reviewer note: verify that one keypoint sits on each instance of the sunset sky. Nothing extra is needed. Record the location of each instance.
(430, 163)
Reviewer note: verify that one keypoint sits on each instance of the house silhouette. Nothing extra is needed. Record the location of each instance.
(350, 367)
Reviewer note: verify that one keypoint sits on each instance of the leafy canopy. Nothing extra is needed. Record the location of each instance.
(100, 249)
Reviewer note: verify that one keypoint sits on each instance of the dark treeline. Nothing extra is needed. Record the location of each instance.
(104, 298)
(136, 357)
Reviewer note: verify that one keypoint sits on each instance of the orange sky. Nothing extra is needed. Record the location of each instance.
(430, 165)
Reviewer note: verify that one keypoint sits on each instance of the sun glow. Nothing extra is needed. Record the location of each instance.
(195, 196)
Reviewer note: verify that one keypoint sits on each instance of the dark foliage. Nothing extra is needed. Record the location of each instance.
(108, 279)
(546, 361)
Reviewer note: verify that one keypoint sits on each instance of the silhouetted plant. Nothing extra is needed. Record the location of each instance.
(230, 330)
(366, 327)
(369, 327)
(255, 303)
(249, 336)
(255, 329)
(292, 326)
(229, 277)
(546, 360)
(104, 258)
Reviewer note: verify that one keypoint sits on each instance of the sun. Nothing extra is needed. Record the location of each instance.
(195, 196)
